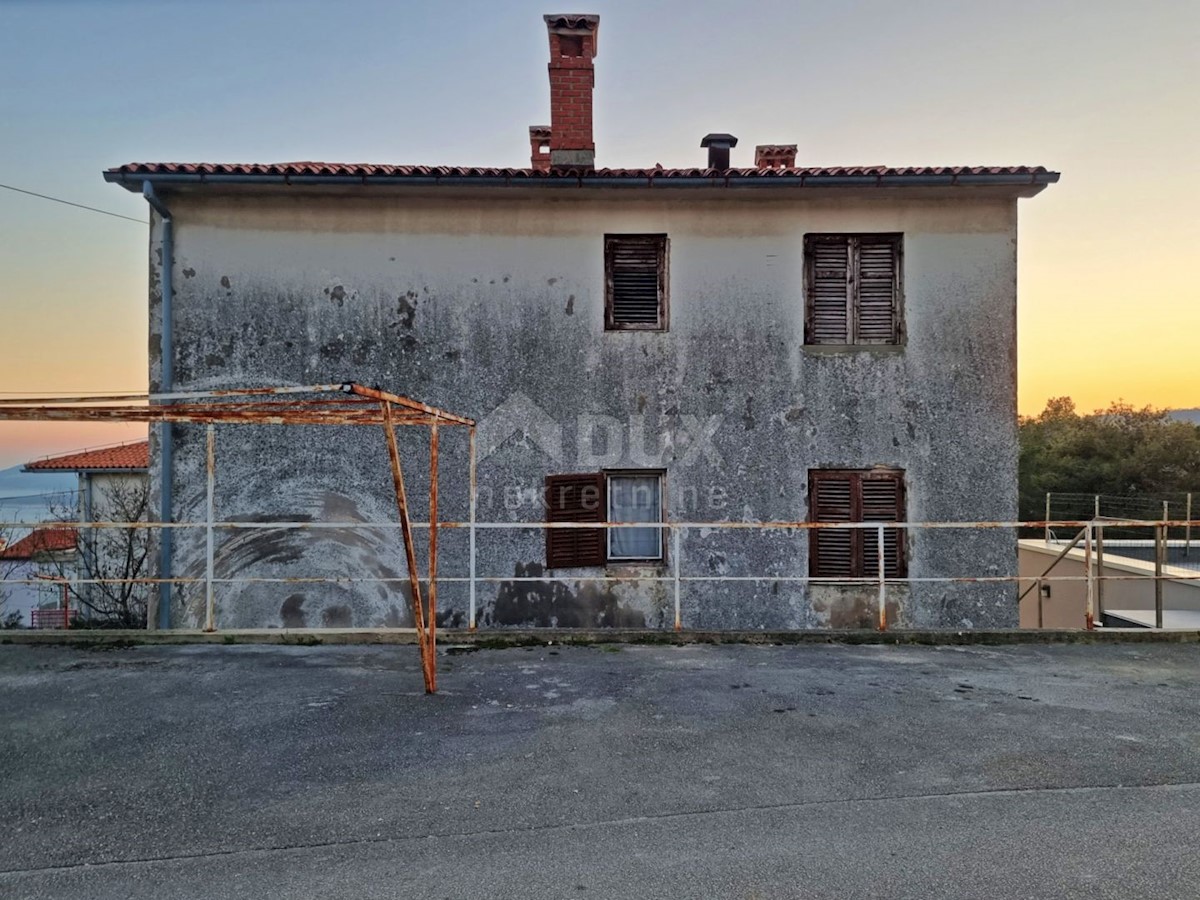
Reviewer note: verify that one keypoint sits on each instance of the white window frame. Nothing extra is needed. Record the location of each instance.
(661, 475)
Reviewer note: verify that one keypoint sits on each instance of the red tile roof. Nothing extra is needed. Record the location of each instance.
(40, 540)
(304, 170)
(123, 456)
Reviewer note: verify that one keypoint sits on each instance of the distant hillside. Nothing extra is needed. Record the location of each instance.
(1186, 415)
(27, 497)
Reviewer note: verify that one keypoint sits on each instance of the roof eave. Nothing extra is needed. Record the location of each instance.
(1026, 184)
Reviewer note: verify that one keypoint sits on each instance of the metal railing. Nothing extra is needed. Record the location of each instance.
(1089, 533)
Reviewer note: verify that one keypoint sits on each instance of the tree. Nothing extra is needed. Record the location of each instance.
(1119, 450)
(113, 557)
(8, 566)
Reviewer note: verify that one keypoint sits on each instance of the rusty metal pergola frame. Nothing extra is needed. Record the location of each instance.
(347, 403)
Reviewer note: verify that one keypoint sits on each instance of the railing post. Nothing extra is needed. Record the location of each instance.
(471, 528)
(1187, 529)
(1100, 573)
(1047, 517)
(1089, 616)
(1160, 532)
(1096, 507)
(210, 604)
(883, 624)
(675, 545)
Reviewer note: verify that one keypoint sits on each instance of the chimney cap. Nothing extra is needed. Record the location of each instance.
(575, 23)
(581, 21)
(539, 131)
(718, 140)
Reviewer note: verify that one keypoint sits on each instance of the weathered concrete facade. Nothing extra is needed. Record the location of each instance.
(489, 301)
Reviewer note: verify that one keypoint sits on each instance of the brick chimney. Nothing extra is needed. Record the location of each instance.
(572, 47)
(775, 156)
(539, 148)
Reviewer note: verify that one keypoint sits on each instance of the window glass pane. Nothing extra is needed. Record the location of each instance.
(634, 498)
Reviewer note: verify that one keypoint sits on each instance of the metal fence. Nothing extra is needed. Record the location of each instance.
(1135, 542)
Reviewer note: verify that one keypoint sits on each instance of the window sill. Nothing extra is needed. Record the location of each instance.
(634, 566)
(846, 349)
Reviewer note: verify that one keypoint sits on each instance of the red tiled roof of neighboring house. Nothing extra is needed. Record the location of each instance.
(48, 539)
(123, 456)
(884, 175)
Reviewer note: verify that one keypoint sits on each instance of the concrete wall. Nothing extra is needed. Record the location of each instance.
(490, 304)
(1131, 587)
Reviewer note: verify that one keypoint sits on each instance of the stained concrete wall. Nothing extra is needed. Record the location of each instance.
(490, 304)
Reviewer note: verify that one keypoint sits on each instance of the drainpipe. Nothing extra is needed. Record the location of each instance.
(166, 384)
(89, 536)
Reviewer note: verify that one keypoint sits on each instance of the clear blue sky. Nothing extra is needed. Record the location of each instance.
(1104, 92)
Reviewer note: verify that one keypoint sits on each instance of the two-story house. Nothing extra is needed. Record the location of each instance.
(765, 342)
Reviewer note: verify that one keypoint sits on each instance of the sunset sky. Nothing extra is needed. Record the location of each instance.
(1103, 92)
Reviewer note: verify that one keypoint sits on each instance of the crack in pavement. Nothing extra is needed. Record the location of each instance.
(6, 874)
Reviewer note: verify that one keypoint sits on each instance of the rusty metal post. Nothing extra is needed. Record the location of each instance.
(883, 624)
(431, 619)
(675, 545)
(1187, 529)
(210, 603)
(1100, 573)
(471, 526)
(410, 553)
(1089, 616)
(1160, 544)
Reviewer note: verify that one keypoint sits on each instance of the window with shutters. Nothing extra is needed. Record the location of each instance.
(623, 496)
(635, 282)
(852, 285)
(847, 495)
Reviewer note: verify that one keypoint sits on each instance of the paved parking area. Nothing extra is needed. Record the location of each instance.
(597, 772)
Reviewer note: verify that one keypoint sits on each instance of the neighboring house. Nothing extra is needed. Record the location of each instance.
(113, 487)
(32, 570)
(717, 343)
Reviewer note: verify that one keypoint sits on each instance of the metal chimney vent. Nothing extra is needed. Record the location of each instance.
(718, 149)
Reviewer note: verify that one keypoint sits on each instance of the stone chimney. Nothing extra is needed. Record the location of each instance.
(775, 156)
(718, 149)
(539, 148)
(573, 40)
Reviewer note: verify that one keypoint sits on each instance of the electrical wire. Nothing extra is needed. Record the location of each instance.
(104, 212)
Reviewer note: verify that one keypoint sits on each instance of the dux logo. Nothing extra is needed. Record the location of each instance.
(600, 441)
(519, 417)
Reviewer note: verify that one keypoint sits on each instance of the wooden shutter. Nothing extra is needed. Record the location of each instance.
(852, 285)
(828, 284)
(878, 290)
(575, 498)
(875, 495)
(831, 550)
(635, 275)
(882, 496)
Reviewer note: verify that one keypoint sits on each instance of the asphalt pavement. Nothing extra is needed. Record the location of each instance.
(596, 772)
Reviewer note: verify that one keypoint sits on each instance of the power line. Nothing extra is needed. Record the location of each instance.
(77, 205)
